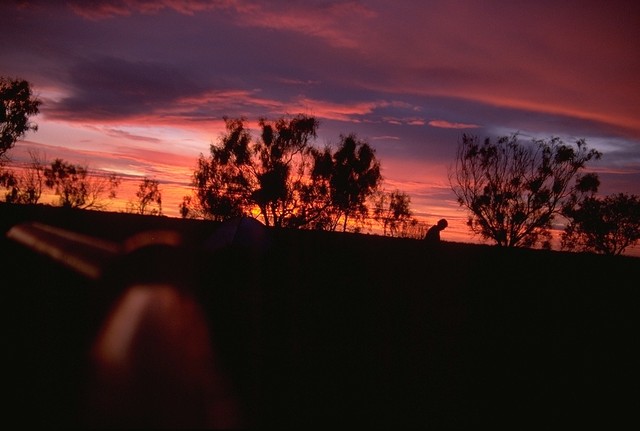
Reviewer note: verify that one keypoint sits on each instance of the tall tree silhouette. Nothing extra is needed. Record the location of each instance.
(355, 177)
(283, 154)
(223, 181)
(606, 225)
(513, 191)
(18, 104)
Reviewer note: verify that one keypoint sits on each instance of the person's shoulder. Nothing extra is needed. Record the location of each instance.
(432, 234)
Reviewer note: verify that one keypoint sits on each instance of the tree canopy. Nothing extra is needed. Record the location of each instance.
(345, 180)
(283, 178)
(513, 190)
(18, 104)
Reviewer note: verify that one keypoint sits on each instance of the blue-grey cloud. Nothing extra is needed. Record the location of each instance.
(111, 88)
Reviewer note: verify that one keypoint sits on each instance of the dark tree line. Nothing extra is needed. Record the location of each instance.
(75, 186)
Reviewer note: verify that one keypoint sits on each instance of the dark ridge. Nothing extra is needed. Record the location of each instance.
(318, 329)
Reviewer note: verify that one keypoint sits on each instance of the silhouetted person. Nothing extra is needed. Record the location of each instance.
(433, 234)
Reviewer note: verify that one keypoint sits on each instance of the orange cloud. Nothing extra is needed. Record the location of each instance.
(335, 111)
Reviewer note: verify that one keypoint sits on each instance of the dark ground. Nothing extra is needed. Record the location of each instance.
(326, 329)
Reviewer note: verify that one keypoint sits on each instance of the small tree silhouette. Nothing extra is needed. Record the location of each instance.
(609, 225)
(513, 191)
(392, 211)
(76, 189)
(148, 198)
(26, 187)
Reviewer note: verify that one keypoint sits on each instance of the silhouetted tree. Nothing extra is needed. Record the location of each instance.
(242, 174)
(355, 177)
(186, 208)
(315, 195)
(603, 225)
(513, 191)
(25, 187)
(148, 198)
(392, 211)
(342, 183)
(223, 182)
(76, 189)
(18, 104)
(283, 161)
(283, 178)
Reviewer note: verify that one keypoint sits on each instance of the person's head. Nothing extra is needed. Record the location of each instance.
(442, 223)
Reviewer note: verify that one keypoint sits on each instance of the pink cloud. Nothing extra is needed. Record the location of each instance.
(613, 117)
(335, 111)
(103, 9)
(230, 99)
(443, 124)
(332, 21)
(548, 67)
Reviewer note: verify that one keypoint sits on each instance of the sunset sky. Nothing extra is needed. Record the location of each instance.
(139, 87)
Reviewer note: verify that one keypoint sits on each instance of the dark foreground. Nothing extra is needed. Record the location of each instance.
(311, 329)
